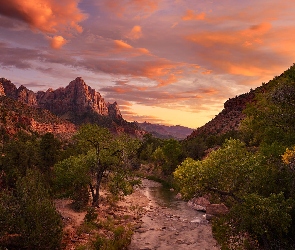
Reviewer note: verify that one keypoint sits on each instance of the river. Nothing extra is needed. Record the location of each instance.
(170, 224)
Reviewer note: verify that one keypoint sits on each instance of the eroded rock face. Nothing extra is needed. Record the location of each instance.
(2, 92)
(77, 103)
(77, 99)
(21, 94)
(228, 119)
(9, 88)
(114, 111)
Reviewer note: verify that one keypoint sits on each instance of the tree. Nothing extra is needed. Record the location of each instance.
(18, 155)
(100, 153)
(258, 192)
(271, 117)
(28, 218)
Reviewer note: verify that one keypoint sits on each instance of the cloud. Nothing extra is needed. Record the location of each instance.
(238, 51)
(10, 57)
(136, 8)
(191, 15)
(135, 33)
(46, 16)
(57, 42)
(122, 45)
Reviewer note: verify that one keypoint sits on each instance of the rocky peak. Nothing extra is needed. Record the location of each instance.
(76, 98)
(114, 111)
(9, 88)
(26, 96)
(21, 94)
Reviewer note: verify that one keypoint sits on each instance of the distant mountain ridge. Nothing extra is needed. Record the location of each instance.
(76, 103)
(163, 131)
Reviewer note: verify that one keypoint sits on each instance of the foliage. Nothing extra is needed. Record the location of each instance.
(148, 146)
(24, 151)
(252, 185)
(30, 215)
(101, 155)
(120, 240)
(168, 155)
(186, 177)
(271, 117)
(228, 171)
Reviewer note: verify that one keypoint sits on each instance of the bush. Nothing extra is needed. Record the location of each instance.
(30, 214)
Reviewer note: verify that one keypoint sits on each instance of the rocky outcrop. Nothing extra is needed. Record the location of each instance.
(76, 98)
(2, 91)
(114, 111)
(228, 119)
(78, 103)
(9, 88)
(21, 94)
(199, 203)
(216, 209)
(17, 116)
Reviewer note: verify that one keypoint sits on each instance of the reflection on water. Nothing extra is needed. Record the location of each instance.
(166, 198)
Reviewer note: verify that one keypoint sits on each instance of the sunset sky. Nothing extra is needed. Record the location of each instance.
(173, 62)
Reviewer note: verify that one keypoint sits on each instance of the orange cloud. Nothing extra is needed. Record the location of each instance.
(135, 33)
(136, 7)
(191, 15)
(122, 45)
(57, 42)
(44, 15)
(236, 51)
(207, 72)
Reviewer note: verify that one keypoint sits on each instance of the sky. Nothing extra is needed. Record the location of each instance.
(171, 62)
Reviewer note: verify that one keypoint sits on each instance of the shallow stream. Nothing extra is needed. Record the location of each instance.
(170, 224)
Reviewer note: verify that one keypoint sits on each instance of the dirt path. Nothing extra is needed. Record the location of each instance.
(168, 228)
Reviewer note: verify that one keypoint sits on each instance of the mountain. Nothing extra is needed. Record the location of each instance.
(16, 116)
(76, 103)
(230, 117)
(163, 131)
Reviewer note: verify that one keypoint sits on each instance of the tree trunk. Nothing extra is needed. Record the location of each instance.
(95, 201)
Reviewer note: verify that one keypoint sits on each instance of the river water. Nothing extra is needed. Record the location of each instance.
(169, 224)
(164, 197)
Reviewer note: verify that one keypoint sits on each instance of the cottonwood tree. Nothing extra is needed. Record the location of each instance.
(254, 189)
(101, 153)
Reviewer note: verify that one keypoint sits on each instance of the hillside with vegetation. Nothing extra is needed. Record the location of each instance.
(248, 168)
(253, 173)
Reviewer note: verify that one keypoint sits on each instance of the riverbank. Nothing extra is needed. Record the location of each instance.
(174, 227)
(155, 224)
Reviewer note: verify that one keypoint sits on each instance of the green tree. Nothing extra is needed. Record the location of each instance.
(28, 217)
(271, 117)
(18, 155)
(101, 154)
(254, 189)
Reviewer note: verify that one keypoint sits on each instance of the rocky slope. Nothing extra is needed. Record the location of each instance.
(229, 118)
(17, 116)
(77, 103)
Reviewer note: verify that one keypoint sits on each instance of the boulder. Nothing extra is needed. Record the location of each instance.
(199, 203)
(216, 209)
